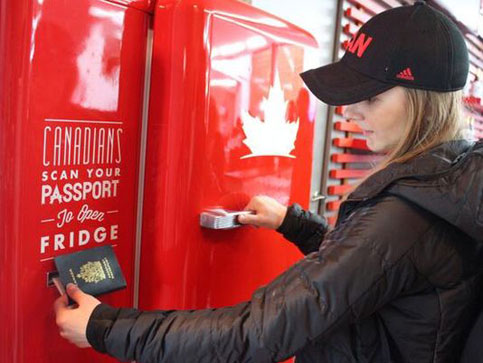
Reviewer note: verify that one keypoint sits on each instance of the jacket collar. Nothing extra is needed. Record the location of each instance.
(437, 160)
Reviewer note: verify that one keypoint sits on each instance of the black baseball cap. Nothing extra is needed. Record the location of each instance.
(411, 46)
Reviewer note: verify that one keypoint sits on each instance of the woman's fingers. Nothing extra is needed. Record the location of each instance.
(268, 212)
(72, 322)
(249, 219)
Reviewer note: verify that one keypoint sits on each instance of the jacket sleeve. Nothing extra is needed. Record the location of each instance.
(304, 228)
(361, 265)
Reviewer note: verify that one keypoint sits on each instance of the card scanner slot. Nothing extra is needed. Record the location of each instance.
(50, 276)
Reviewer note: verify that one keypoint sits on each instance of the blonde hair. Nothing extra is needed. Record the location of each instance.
(433, 118)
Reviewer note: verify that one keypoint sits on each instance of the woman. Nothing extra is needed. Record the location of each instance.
(397, 279)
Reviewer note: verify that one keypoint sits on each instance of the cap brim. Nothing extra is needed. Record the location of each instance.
(337, 84)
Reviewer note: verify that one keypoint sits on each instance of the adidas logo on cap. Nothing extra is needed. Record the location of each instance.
(406, 74)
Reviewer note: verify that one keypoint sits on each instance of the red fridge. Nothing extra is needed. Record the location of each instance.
(121, 122)
(71, 106)
(229, 119)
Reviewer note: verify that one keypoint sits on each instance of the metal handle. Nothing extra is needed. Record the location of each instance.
(317, 196)
(219, 218)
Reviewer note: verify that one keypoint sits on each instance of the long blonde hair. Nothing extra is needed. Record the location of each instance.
(433, 118)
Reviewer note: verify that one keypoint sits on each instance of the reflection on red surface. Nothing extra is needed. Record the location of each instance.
(97, 74)
(144, 5)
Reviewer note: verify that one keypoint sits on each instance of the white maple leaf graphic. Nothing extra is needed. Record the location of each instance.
(275, 136)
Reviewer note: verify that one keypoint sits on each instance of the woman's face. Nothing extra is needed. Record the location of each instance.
(382, 118)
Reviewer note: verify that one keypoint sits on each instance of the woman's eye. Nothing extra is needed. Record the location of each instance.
(371, 99)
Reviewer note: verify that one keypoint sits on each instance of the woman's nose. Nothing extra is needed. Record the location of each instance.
(350, 112)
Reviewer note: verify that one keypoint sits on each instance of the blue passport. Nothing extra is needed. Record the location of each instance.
(95, 270)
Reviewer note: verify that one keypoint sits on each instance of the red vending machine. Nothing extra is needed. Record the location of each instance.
(72, 81)
(229, 119)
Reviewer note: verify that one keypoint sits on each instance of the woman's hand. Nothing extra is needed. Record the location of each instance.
(268, 212)
(72, 321)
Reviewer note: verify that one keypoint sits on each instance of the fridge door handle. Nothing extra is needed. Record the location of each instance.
(219, 218)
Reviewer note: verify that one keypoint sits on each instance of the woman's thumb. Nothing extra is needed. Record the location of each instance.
(74, 292)
(248, 219)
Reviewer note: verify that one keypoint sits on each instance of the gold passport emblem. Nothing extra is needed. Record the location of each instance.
(92, 272)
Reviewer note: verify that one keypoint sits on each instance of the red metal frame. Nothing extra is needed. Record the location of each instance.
(350, 143)
(347, 173)
(356, 15)
(347, 126)
(370, 6)
(339, 189)
(354, 158)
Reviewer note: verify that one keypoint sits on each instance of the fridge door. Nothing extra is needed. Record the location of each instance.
(72, 79)
(229, 119)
